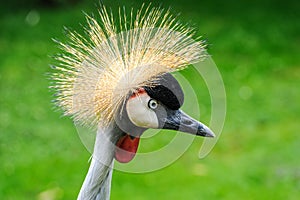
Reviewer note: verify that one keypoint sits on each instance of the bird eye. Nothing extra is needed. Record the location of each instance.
(152, 104)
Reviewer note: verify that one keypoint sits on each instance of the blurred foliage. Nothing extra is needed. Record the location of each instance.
(256, 46)
(14, 5)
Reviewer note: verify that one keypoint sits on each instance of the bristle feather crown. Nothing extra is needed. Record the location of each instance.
(96, 72)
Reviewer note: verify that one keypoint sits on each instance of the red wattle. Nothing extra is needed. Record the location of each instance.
(126, 148)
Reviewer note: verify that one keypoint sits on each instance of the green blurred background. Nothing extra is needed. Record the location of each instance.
(255, 44)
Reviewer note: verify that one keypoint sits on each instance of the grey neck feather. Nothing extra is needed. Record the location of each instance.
(97, 183)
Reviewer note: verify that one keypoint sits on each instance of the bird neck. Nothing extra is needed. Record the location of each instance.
(98, 179)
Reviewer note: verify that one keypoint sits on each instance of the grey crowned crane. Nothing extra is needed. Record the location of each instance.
(117, 79)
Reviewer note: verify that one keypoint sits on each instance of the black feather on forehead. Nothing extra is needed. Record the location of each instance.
(167, 91)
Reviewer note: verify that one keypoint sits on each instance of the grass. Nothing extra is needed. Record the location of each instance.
(256, 47)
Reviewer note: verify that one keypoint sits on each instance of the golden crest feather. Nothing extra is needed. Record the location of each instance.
(96, 72)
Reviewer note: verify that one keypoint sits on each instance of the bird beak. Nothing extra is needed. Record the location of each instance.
(178, 120)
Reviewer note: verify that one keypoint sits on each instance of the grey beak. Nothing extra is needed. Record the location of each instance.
(178, 120)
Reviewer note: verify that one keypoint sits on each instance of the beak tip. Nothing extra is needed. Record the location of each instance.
(211, 134)
(205, 132)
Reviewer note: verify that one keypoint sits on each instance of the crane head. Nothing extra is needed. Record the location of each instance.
(114, 75)
(156, 107)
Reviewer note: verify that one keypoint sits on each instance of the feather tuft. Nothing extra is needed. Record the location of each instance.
(97, 71)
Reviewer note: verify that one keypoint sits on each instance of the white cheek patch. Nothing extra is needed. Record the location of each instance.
(139, 113)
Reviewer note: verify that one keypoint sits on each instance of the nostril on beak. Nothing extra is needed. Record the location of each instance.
(186, 122)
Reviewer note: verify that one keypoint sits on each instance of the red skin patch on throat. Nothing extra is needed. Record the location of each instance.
(126, 148)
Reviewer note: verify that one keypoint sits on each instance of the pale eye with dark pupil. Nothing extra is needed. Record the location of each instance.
(152, 104)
